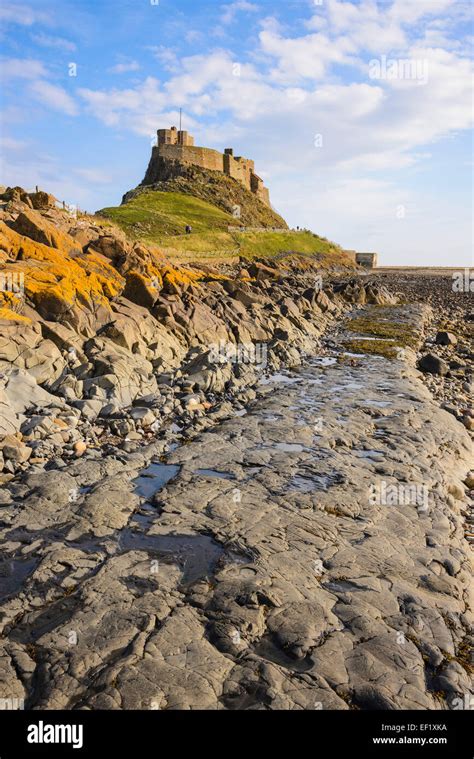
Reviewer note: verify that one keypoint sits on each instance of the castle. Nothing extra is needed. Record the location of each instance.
(176, 148)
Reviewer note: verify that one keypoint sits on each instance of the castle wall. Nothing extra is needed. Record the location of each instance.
(247, 167)
(264, 195)
(233, 169)
(206, 158)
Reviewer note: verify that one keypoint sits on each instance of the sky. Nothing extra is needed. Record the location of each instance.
(358, 114)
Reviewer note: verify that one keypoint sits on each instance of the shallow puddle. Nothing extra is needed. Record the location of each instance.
(302, 484)
(196, 555)
(13, 573)
(375, 455)
(154, 478)
(279, 378)
(324, 361)
(376, 339)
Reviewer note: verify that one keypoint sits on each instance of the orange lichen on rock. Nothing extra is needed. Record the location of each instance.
(56, 282)
(11, 300)
(6, 314)
(32, 224)
(141, 289)
(76, 287)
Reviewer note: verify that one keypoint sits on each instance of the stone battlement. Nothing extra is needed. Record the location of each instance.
(176, 148)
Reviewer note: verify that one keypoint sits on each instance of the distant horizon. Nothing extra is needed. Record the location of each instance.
(357, 114)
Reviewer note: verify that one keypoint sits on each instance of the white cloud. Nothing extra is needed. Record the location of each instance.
(57, 43)
(137, 109)
(375, 133)
(123, 68)
(21, 68)
(368, 26)
(383, 123)
(166, 56)
(23, 15)
(407, 11)
(192, 36)
(53, 96)
(231, 10)
(303, 58)
(10, 143)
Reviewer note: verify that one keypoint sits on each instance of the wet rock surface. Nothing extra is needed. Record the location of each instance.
(306, 551)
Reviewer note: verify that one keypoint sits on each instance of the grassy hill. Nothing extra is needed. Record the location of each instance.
(161, 218)
(207, 201)
(217, 189)
(155, 215)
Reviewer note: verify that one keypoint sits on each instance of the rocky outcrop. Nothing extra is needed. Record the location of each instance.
(102, 323)
(266, 565)
(31, 224)
(188, 524)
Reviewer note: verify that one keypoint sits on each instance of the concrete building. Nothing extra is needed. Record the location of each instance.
(366, 260)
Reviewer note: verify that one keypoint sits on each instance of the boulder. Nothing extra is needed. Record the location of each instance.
(469, 481)
(14, 450)
(119, 375)
(23, 392)
(80, 448)
(261, 271)
(141, 290)
(16, 195)
(446, 338)
(113, 246)
(433, 364)
(31, 224)
(208, 372)
(89, 408)
(144, 416)
(9, 422)
(41, 200)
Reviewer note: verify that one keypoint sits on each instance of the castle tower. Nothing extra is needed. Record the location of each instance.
(174, 137)
(185, 139)
(168, 136)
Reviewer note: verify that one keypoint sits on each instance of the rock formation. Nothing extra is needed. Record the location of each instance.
(195, 464)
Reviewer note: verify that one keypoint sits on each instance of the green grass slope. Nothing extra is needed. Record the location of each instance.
(217, 189)
(154, 215)
(161, 218)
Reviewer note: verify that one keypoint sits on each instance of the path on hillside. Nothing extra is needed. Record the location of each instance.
(268, 572)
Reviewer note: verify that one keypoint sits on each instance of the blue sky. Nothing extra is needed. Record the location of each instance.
(358, 114)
